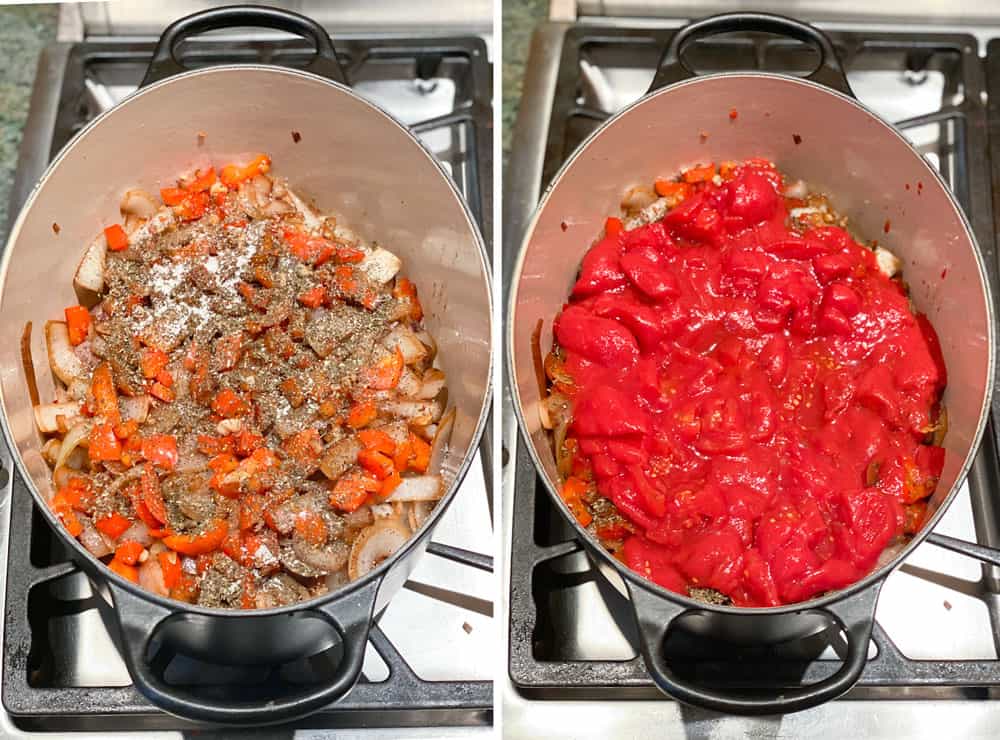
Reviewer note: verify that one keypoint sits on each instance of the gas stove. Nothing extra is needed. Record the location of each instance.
(61, 670)
(572, 653)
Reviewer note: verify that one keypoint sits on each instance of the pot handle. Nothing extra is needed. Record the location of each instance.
(672, 68)
(164, 63)
(139, 619)
(855, 615)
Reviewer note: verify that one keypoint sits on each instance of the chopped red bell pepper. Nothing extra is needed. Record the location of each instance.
(113, 524)
(102, 389)
(387, 372)
(161, 450)
(376, 439)
(152, 361)
(129, 572)
(129, 552)
(104, 445)
(78, 323)
(199, 544)
(362, 414)
(116, 237)
(314, 297)
(377, 463)
(228, 404)
(351, 490)
(170, 565)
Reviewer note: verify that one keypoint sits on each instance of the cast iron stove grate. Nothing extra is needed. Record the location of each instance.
(441, 88)
(570, 635)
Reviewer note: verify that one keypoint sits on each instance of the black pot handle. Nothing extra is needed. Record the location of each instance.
(654, 615)
(351, 616)
(672, 68)
(165, 64)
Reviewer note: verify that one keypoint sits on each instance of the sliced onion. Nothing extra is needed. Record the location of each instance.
(384, 510)
(336, 580)
(90, 272)
(28, 364)
(428, 341)
(375, 544)
(138, 202)
(63, 360)
(339, 457)
(63, 474)
(163, 219)
(419, 413)
(439, 445)
(409, 384)
(418, 488)
(276, 208)
(419, 511)
(432, 384)
(50, 450)
(797, 189)
(47, 416)
(95, 542)
(138, 532)
(78, 389)
(312, 220)
(151, 577)
(361, 517)
(412, 349)
(327, 559)
(380, 265)
(135, 407)
(78, 435)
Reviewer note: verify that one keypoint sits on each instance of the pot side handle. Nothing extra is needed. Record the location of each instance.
(672, 68)
(854, 615)
(165, 64)
(351, 616)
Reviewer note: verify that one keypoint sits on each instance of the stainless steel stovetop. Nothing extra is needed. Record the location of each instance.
(934, 607)
(446, 608)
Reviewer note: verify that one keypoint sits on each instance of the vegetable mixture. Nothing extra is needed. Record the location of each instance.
(746, 408)
(247, 415)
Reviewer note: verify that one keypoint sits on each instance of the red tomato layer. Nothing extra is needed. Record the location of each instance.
(752, 399)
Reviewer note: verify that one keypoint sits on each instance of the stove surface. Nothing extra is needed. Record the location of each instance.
(62, 670)
(572, 653)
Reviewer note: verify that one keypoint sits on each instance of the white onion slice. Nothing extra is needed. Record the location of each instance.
(412, 349)
(375, 544)
(439, 445)
(46, 416)
(432, 384)
(92, 539)
(138, 202)
(135, 407)
(74, 437)
(419, 413)
(418, 488)
(63, 360)
(90, 272)
(151, 577)
(380, 265)
(310, 218)
(419, 511)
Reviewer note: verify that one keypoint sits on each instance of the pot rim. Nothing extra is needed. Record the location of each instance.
(589, 541)
(417, 537)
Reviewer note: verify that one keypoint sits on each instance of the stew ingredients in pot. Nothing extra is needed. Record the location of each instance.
(246, 416)
(746, 408)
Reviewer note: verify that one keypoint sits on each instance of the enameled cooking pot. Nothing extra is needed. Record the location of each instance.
(813, 129)
(355, 161)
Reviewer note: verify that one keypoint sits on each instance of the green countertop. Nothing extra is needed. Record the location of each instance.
(24, 31)
(519, 20)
